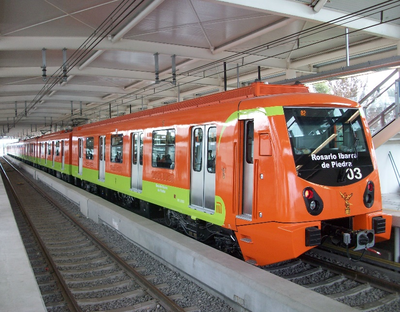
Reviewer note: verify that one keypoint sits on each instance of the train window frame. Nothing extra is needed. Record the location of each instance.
(328, 144)
(137, 149)
(49, 148)
(58, 148)
(249, 151)
(163, 148)
(211, 148)
(134, 137)
(198, 136)
(89, 149)
(62, 148)
(116, 148)
(141, 136)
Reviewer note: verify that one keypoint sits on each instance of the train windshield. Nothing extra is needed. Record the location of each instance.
(328, 145)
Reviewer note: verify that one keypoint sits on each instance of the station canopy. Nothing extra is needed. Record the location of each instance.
(65, 63)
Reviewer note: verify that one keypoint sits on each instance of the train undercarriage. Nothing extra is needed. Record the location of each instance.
(342, 233)
(205, 232)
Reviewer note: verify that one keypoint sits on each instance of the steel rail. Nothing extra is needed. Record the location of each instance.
(360, 277)
(367, 258)
(63, 287)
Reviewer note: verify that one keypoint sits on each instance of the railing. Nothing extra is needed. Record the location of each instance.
(394, 166)
(381, 105)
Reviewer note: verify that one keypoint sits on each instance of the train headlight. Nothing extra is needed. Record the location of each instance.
(313, 202)
(369, 193)
(308, 193)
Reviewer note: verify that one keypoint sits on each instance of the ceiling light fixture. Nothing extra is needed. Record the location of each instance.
(109, 96)
(130, 86)
(44, 75)
(319, 5)
(64, 66)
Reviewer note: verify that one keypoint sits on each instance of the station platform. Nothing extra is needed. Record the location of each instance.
(244, 285)
(391, 202)
(391, 205)
(19, 290)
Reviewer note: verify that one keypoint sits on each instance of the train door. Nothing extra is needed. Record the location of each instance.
(248, 168)
(137, 161)
(102, 158)
(52, 153)
(80, 156)
(62, 155)
(41, 153)
(202, 179)
(45, 153)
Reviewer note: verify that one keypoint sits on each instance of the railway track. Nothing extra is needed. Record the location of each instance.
(356, 284)
(79, 271)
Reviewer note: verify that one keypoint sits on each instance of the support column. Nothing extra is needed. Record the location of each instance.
(347, 47)
(291, 74)
(396, 244)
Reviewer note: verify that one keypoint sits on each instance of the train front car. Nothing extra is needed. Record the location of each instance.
(315, 177)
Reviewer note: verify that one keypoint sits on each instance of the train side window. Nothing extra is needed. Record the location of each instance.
(141, 150)
(57, 148)
(79, 148)
(163, 149)
(211, 149)
(197, 149)
(102, 148)
(49, 148)
(89, 147)
(134, 148)
(117, 141)
(250, 141)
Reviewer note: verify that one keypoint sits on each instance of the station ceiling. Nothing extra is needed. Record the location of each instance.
(68, 62)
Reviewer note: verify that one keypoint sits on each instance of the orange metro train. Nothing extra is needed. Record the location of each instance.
(264, 171)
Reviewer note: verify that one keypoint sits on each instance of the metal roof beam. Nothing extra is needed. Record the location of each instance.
(53, 43)
(281, 23)
(301, 11)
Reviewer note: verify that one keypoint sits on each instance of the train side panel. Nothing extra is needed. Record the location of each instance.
(269, 170)
(53, 153)
(162, 186)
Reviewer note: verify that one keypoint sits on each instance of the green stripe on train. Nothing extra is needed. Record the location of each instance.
(164, 195)
(49, 164)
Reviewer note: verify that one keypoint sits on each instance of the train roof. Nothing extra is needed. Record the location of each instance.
(256, 89)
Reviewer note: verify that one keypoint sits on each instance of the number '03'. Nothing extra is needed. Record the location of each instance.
(354, 173)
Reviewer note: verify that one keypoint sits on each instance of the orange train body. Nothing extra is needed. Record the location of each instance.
(270, 169)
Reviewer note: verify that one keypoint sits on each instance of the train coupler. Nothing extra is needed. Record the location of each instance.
(361, 239)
